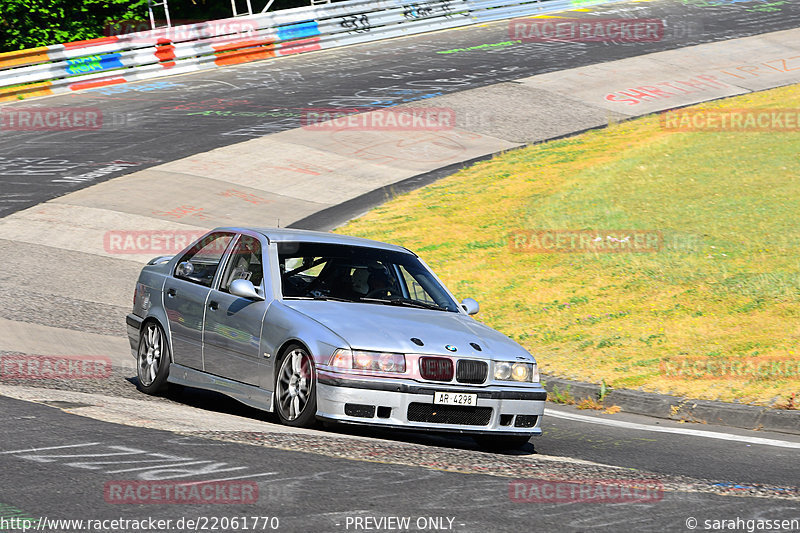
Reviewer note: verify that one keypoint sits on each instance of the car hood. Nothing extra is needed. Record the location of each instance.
(390, 328)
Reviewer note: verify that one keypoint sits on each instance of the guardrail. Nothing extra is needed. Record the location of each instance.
(180, 49)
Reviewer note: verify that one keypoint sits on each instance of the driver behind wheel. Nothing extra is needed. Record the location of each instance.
(360, 279)
(379, 285)
(339, 283)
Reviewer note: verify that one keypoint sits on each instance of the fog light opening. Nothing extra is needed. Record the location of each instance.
(526, 421)
(359, 410)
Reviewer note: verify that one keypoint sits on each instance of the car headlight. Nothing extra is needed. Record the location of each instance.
(502, 371)
(523, 372)
(363, 360)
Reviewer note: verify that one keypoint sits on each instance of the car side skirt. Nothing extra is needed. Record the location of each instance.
(246, 394)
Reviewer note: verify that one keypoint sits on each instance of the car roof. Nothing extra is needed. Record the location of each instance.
(301, 235)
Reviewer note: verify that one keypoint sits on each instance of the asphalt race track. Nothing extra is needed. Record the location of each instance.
(161, 120)
(63, 443)
(318, 492)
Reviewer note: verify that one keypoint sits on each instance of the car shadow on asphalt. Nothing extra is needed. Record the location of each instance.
(219, 403)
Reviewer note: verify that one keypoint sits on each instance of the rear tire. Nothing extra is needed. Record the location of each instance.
(152, 359)
(296, 388)
(502, 442)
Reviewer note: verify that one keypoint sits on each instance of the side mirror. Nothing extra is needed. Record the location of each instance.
(185, 269)
(470, 306)
(244, 289)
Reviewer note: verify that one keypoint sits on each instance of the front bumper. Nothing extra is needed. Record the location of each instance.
(498, 409)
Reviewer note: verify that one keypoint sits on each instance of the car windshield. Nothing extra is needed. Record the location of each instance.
(358, 274)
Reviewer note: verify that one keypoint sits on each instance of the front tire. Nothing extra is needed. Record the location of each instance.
(296, 388)
(152, 359)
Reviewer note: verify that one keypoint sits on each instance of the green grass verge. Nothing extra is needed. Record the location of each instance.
(724, 291)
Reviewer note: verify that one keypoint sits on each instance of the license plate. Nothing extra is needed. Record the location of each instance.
(455, 398)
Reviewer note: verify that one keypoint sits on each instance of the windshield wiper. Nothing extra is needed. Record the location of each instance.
(323, 298)
(405, 302)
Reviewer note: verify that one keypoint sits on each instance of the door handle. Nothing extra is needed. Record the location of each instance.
(171, 293)
(213, 305)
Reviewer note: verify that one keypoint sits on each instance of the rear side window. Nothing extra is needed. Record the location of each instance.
(199, 265)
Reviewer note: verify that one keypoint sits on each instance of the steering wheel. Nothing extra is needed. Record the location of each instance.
(316, 282)
(382, 291)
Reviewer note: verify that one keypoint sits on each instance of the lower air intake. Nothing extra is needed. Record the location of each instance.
(449, 414)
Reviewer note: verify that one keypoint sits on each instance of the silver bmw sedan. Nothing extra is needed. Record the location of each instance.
(316, 326)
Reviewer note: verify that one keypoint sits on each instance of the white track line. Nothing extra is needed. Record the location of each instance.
(681, 431)
(28, 450)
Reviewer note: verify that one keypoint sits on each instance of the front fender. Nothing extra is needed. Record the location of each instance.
(283, 325)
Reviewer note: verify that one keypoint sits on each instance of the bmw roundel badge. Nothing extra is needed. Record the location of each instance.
(450, 348)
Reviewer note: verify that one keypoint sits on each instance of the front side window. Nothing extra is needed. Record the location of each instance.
(358, 274)
(244, 263)
(199, 265)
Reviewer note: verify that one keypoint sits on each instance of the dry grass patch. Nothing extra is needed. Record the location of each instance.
(725, 286)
